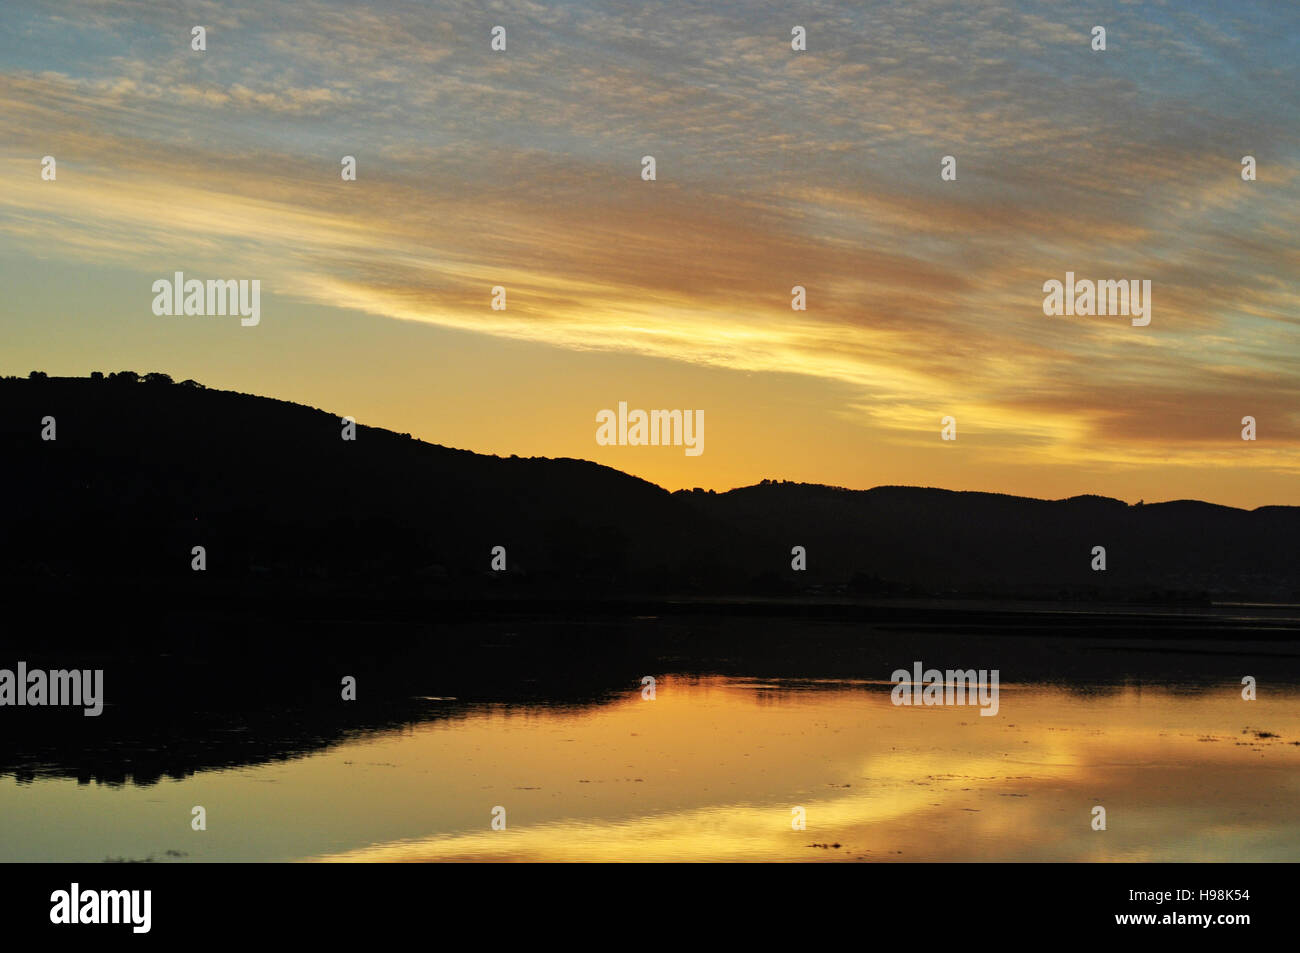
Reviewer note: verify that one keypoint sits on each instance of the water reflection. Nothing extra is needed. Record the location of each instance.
(713, 773)
(709, 770)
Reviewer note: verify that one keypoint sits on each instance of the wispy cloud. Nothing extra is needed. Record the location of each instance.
(775, 169)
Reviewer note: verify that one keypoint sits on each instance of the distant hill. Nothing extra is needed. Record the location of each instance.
(141, 471)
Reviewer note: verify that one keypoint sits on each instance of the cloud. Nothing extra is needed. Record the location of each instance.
(775, 169)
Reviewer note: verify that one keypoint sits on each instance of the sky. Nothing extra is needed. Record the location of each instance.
(774, 168)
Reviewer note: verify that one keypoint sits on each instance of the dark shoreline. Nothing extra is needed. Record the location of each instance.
(197, 689)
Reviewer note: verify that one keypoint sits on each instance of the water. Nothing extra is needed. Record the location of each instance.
(713, 766)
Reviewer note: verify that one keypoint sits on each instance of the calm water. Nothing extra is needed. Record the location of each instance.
(710, 770)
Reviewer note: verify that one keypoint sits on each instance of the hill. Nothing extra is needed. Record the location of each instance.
(144, 470)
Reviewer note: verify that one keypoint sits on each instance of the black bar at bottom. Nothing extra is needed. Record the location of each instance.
(326, 903)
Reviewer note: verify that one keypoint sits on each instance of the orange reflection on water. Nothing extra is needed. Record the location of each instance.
(711, 769)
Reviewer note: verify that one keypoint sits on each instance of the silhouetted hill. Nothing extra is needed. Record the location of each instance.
(141, 472)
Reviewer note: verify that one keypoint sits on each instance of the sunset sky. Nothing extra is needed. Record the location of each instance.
(775, 168)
